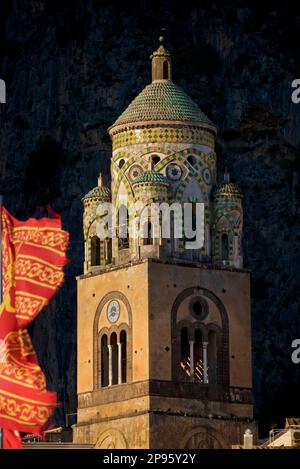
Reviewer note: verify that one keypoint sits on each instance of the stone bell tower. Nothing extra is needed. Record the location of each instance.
(164, 335)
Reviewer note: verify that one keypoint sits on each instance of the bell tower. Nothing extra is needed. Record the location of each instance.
(164, 332)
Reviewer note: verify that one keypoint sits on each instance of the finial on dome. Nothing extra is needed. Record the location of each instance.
(161, 63)
(226, 175)
(100, 180)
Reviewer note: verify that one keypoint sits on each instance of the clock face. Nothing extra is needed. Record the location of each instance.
(174, 172)
(113, 311)
(206, 176)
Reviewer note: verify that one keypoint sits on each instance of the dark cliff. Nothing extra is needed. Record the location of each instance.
(71, 67)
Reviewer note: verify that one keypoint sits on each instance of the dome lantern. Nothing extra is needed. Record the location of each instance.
(161, 63)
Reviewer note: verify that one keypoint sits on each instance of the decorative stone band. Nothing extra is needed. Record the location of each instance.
(138, 155)
(94, 201)
(150, 187)
(228, 202)
(168, 389)
(172, 132)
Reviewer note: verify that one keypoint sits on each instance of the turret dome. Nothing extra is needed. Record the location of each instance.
(100, 192)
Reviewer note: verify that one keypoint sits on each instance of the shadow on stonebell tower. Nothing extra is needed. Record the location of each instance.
(164, 334)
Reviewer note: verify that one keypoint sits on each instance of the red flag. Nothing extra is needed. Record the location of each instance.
(12, 440)
(34, 253)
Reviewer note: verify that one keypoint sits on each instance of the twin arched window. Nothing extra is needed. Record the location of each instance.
(113, 358)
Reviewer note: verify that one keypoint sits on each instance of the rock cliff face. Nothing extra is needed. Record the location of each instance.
(71, 67)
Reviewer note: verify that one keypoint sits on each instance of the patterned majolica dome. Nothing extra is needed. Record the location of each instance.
(100, 192)
(151, 177)
(228, 189)
(151, 185)
(162, 100)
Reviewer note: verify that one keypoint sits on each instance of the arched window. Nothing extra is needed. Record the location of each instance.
(147, 233)
(198, 357)
(123, 222)
(108, 250)
(185, 355)
(200, 341)
(165, 70)
(154, 160)
(123, 346)
(121, 163)
(95, 251)
(225, 247)
(114, 358)
(104, 361)
(192, 160)
(212, 357)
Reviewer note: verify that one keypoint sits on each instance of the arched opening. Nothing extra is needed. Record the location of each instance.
(104, 361)
(95, 251)
(217, 353)
(121, 163)
(185, 355)
(198, 357)
(192, 160)
(154, 160)
(123, 223)
(114, 358)
(165, 70)
(108, 250)
(123, 346)
(212, 358)
(225, 247)
(147, 233)
(125, 338)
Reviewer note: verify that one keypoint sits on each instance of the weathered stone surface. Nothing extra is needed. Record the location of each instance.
(72, 67)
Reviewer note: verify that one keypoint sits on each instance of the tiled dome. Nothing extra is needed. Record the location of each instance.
(162, 100)
(99, 192)
(151, 176)
(228, 189)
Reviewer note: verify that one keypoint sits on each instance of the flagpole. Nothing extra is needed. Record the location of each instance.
(1, 290)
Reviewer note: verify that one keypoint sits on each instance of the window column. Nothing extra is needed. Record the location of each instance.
(119, 362)
(204, 349)
(191, 342)
(109, 365)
